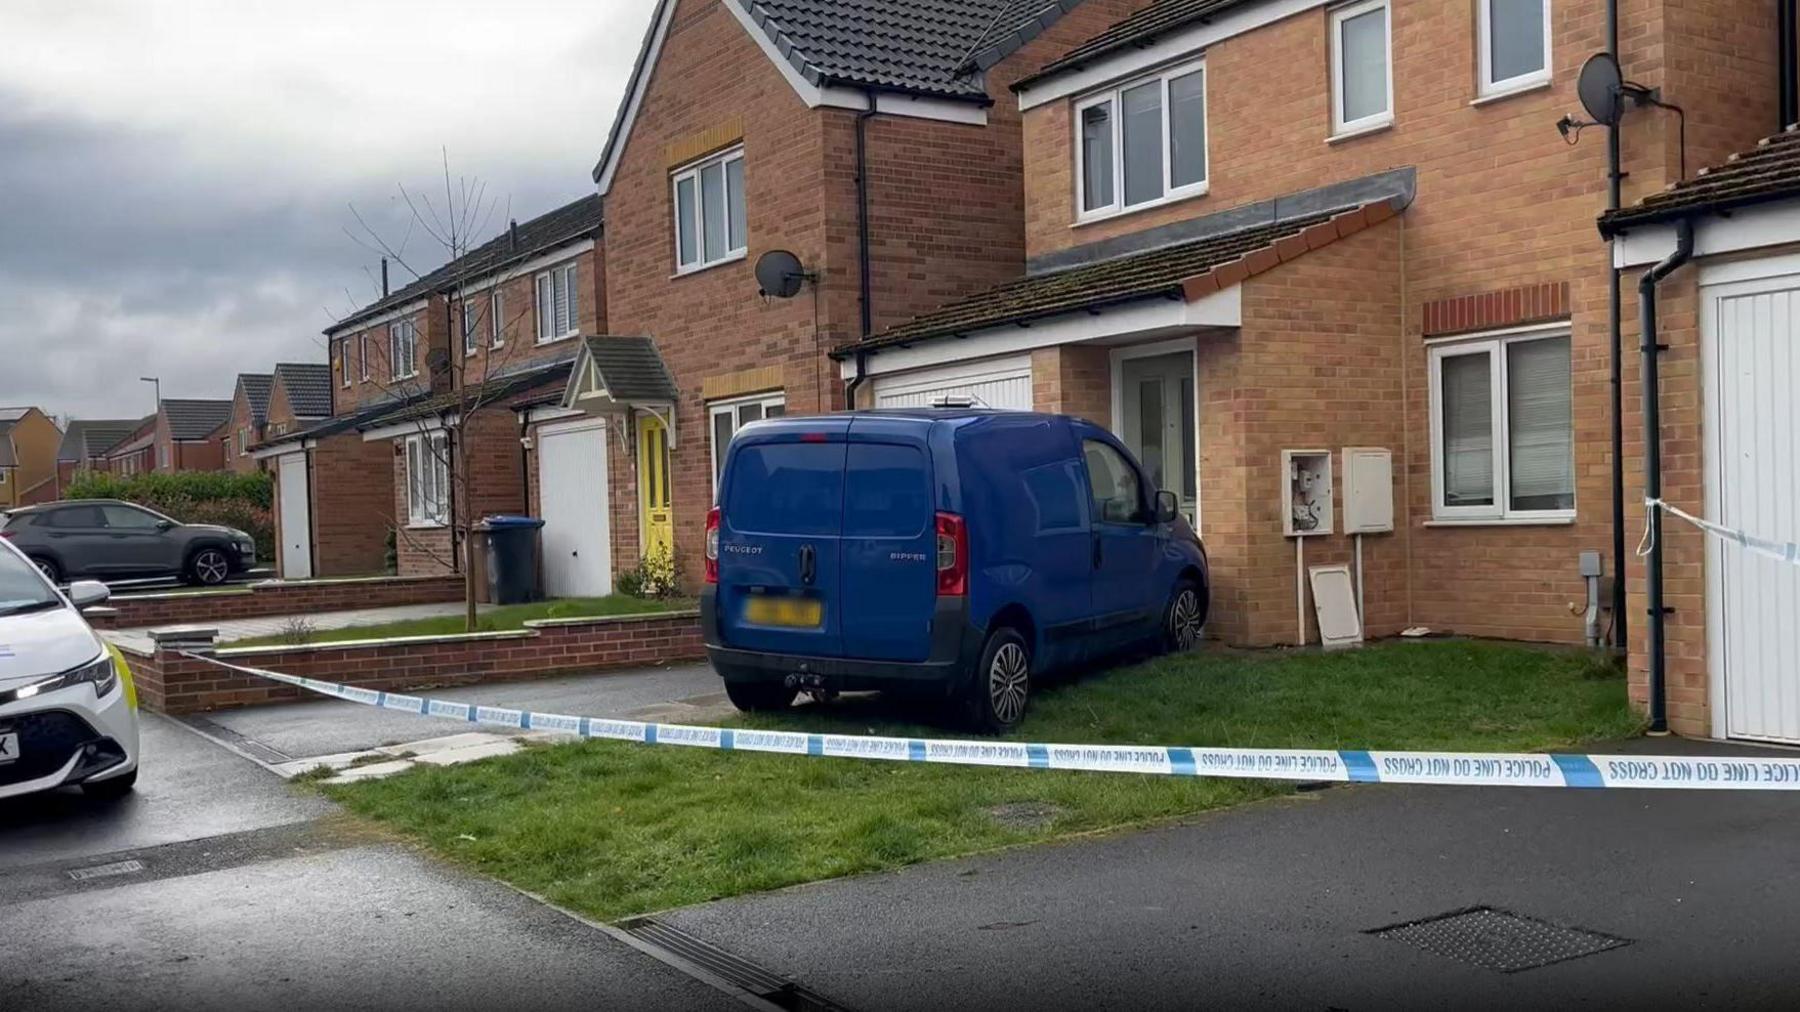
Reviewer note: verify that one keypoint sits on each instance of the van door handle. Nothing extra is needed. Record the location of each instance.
(809, 558)
(1099, 553)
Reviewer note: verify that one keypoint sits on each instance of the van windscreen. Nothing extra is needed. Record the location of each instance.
(786, 488)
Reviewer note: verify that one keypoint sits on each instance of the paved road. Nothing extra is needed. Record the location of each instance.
(327, 726)
(1269, 905)
(253, 896)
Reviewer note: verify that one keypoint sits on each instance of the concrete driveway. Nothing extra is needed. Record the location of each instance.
(220, 887)
(1272, 905)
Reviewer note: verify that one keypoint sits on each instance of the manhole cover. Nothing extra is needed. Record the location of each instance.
(1499, 940)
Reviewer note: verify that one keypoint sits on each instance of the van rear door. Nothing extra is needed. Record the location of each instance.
(781, 503)
(889, 541)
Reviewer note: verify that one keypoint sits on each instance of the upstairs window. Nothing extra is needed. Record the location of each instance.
(496, 326)
(403, 349)
(1362, 85)
(558, 304)
(362, 353)
(1513, 39)
(471, 320)
(1502, 429)
(1142, 142)
(709, 212)
(344, 360)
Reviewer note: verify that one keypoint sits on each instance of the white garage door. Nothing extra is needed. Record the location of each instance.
(996, 383)
(572, 498)
(295, 518)
(1753, 451)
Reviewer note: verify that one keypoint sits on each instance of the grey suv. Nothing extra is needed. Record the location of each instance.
(109, 539)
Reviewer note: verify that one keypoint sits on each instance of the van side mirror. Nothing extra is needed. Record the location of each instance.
(1167, 507)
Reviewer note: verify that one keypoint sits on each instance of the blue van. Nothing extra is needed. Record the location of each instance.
(956, 553)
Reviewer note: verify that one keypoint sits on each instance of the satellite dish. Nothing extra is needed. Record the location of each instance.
(779, 273)
(1601, 87)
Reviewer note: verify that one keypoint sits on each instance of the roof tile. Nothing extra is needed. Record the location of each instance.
(1770, 171)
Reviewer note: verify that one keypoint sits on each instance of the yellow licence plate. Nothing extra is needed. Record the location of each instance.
(786, 611)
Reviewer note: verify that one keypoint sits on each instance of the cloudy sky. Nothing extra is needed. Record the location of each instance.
(177, 176)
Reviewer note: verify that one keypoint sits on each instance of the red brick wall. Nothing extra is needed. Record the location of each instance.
(519, 325)
(352, 511)
(381, 385)
(299, 597)
(489, 443)
(170, 683)
(241, 423)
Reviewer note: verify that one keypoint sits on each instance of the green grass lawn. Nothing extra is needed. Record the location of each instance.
(512, 616)
(612, 829)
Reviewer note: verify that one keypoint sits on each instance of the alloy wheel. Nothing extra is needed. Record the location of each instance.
(1009, 678)
(1184, 619)
(211, 568)
(47, 568)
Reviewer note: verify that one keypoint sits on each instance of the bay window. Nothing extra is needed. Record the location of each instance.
(1502, 428)
(1513, 44)
(1142, 143)
(709, 211)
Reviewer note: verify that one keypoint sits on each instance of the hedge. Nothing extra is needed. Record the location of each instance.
(193, 497)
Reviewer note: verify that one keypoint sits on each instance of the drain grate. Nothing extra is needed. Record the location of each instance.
(1499, 940)
(243, 743)
(734, 970)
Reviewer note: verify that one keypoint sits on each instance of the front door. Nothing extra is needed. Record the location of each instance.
(654, 497)
(1157, 422)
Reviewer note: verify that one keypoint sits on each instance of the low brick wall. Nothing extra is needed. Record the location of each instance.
(275, 597)
(168, 682)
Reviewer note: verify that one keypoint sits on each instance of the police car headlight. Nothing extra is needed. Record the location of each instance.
(101, 673)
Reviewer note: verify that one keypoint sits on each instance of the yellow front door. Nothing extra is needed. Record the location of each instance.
(654, 498)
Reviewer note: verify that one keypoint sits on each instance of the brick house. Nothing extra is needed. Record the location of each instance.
(135, 453)
(1287, 246)
(249, 413)
(28, 443)
(1729, 437)
(493, 331)
(741, 132)
(84, 445)
(186, 435)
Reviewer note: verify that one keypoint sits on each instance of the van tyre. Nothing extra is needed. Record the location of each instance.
(757, 697)
(209, 567)
(1184, 618)
(1001, 688)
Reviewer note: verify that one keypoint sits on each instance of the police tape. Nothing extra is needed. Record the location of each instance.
(1491, 769)
(1784, 551)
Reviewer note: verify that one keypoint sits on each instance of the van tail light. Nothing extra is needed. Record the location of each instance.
(712, 545)
(952, 556)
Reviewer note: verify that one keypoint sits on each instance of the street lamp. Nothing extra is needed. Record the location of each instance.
(155, 381)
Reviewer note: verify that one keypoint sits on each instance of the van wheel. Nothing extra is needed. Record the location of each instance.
(1183, 619)
(1001, 688)
(753, 697)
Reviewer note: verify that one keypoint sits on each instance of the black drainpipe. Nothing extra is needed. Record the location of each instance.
(862, 245)
(1616, 347)
(1788, 88)
(1653, 584)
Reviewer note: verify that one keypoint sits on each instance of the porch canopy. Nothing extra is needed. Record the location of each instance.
(615, 375)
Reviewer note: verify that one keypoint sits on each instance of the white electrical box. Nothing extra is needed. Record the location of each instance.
(1368, 489)
(1306, 485)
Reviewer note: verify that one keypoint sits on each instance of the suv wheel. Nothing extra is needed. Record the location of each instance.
(209, 567)
(753, 697)
(1183, 619)
(49, 568)
(1001, 688)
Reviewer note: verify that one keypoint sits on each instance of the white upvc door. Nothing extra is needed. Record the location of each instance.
(1751, 341)
(572, 496)
(295, 518)
(1003, 383)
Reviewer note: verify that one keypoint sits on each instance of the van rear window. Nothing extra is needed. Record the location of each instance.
(888, 494)
(786, 488)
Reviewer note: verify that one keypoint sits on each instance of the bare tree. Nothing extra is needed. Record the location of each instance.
(451, 225)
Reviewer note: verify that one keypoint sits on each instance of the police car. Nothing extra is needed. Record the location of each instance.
(68, 711)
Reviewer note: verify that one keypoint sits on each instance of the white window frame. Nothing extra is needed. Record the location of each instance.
(243, 442)
(471, 342)
(1487, 87)
(344, 362)
(362, 353)
(1493, 345)
(1340, 127)
(1115, 95)
(563, 274)
(427, 480)
(162, 456)
(729, 407)
(692, 171)
(496, 328)
(396, 331)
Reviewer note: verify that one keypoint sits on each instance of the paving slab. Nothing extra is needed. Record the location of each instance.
(275, 625)
(1272, 905)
